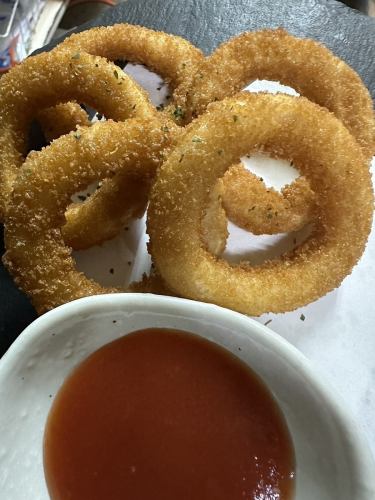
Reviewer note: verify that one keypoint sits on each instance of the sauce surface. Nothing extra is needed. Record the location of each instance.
(163, 414)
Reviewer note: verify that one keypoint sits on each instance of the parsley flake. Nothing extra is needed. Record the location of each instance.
(302, 317)
(178, 113)
(76, 56)
(196, 139)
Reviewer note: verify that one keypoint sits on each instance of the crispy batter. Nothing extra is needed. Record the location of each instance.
(330, 159)
(62, 119)
(312, 70)
(36, 254)
(173, 58)
(306, 65)
(119, 199)
(252, 206)
(47, 79)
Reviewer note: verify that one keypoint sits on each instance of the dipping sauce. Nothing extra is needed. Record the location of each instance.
(166, 415)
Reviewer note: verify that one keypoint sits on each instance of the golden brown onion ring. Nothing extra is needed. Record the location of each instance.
(315, 73)
(62, 119)
(306, 65)
(119, 199)
(328, 156)
(254, 207)
(170, 56)
(36, 255)
(50, 78)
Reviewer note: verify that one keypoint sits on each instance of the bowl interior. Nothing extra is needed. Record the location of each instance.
(332, 460)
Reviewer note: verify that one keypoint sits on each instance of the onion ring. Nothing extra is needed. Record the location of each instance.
(306, 65)
(328, 156)
(315, 73)
(119, 199)
(50, 78)
(249, 204)
(62, 119)
(36, 254)
(172, 57)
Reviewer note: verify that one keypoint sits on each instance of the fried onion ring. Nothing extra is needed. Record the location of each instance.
(36, 255)
(306, 65)
(328, 156)
(175, 59)
(251, 205)
(54, 77)
(315, 73)
(62, 119)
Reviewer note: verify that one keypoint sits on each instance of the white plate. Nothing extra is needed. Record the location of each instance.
(333, 461)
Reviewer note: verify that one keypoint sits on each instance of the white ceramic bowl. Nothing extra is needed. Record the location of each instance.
(333, 462)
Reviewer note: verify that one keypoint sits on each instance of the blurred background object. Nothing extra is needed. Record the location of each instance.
(81, 11)
(365, 6)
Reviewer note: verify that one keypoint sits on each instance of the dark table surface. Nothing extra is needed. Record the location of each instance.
(349, 34)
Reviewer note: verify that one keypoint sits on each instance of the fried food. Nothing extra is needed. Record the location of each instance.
(36, 254)
(313, 71)
(172, 57)
(251, 205)
(303, 64)
(330, 159)
(118, 200)
(62, 119)
(55, 77)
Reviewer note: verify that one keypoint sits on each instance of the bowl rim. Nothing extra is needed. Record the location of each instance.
(359, 449)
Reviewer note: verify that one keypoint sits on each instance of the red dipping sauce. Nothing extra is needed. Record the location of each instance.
(166, 415)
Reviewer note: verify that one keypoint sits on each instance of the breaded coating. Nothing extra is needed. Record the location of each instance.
(261, 210)
(36, 254)
(303, 64)
(330, 159)
(62, 119)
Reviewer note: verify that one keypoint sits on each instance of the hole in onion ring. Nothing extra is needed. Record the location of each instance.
(113, 263)
(271, 87)
(275, 173)
(157, 89)
(242, 245)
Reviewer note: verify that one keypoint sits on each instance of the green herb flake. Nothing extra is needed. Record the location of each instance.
(77, 135)
(165, 129)
(196, 139)
(267, 322)
(181, 158)
(302, 317)
(76, 56)
(178, 113)
(134, 106)
(116, 74)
